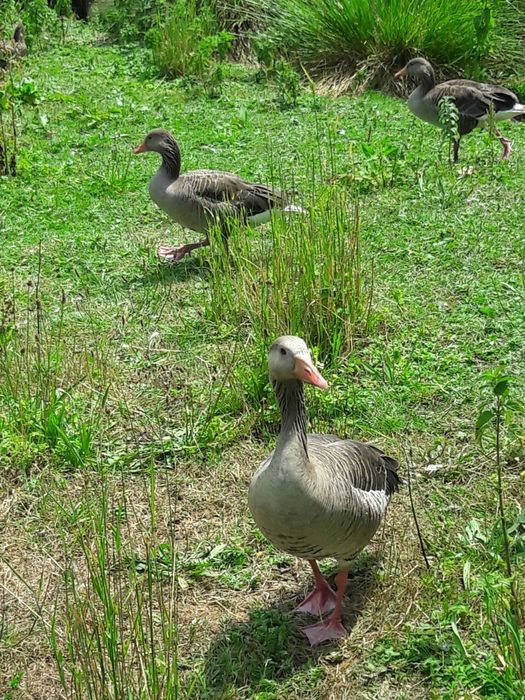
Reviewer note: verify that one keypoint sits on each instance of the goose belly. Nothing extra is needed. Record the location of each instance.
(306, 528)
(186, 212)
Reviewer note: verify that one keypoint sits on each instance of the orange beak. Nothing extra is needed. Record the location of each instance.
(140, 149)
(400, 73)
(306, 372)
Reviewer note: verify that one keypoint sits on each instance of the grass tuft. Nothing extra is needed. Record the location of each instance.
(353, 43)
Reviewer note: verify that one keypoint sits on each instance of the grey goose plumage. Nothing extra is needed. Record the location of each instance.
(199, 199)
(475, 101)
(13, 48)
(317, 496)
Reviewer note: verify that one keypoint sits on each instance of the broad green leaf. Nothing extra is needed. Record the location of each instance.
(502, 386)
(484, 418)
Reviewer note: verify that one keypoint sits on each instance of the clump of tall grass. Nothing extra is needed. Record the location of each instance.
(139, 19)
(113, 632)
(356, 42)
(304, 276)
(187, 41)
(43, 407)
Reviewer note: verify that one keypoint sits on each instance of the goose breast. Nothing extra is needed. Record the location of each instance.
(331, 511)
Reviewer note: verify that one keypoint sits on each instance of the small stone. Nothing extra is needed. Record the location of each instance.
(432, 468)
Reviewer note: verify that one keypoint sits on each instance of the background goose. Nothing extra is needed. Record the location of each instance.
(201, 198)
(13, 48)
(474, 101)
(317, 496)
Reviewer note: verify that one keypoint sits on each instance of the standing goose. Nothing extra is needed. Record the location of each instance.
(201, 198)
(475, 101)
(14, 48)
(317, 496)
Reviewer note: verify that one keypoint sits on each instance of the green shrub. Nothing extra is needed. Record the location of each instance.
(133, 19)
(130, 19)
(188, 43)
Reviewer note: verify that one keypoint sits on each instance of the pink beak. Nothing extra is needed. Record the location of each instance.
(307, 372)
(400, 73)
(140, 149)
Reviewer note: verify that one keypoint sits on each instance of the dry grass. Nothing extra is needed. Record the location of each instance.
(383, 592)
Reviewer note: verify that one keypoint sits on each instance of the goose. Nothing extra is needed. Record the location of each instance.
(476, 102)
(13, 48)
(201, 198)
(317, 496)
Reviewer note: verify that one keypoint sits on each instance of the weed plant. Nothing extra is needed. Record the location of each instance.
(114, 635)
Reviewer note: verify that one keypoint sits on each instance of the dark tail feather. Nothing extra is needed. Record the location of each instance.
(393, 480)
(271, 195)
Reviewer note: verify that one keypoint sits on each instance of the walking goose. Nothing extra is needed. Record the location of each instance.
(317, 496)
(13, 48)
(201, 198)
(475, 101)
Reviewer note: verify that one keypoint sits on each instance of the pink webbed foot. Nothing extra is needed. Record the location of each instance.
(324, 631)
(319, 602)
(169, 254)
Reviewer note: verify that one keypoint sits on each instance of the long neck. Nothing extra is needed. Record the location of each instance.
(426, 79)
(17, 36)
(290, 396)
(171, 159)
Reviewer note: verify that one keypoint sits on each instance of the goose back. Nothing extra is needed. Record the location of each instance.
(13, 48)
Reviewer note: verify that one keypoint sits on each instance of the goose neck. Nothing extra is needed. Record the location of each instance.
(171, 159)
(426, 79)
(290, 396)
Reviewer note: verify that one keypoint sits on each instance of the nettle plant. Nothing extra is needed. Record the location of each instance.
(492, 420)
(14, 95)
(273, 67)
(449, 121)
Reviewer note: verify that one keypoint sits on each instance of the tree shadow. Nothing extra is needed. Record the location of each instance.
(270, 647)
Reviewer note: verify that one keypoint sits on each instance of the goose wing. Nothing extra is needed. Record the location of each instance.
(501, 97)
(220, 191)
(474, 100)
(469, 100)
(363, 466)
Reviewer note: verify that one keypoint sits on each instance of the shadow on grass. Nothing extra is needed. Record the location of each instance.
(166, 273)
(270, 647)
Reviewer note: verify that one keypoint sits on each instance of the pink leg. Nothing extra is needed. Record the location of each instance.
(506, 148)
(322, 599)
(331, 628)
(170, 254)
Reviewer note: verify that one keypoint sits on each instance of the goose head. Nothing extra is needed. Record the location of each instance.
(18, 34)
(289, 359)
(417, 68)
(158, 140)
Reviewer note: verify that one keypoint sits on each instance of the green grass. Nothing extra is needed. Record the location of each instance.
(134, 404)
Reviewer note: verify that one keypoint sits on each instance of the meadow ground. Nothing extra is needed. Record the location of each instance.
(133, 410)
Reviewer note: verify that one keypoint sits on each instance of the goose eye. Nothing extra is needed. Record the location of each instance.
(283, 351)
